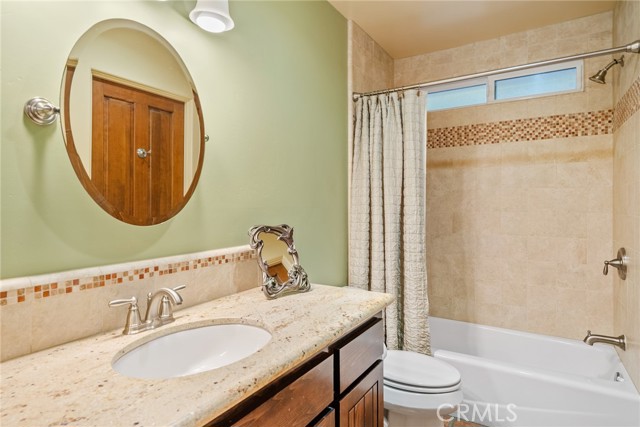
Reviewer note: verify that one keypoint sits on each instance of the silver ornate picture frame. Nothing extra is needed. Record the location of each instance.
(278, 259)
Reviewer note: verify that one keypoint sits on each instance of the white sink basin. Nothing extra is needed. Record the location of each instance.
(192, 351)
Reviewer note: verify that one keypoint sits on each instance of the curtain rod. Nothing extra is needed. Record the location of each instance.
(631, 47)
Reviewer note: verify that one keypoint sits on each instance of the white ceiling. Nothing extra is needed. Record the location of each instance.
(407, 28)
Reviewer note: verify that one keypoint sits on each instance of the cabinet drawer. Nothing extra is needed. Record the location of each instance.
(357, 352)
(296, 402)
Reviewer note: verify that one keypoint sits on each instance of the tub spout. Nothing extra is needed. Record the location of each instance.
(620, 341)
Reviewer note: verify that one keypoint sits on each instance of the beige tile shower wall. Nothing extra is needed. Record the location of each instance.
(520, 224)
(517, 232)
(371, 66)
(40, 312)
(370, 69)
(568, 38)
(626, 184)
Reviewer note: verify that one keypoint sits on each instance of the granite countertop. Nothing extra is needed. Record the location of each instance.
(74, 384)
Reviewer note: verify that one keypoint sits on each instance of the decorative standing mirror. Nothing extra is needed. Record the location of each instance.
(132, 122)
(278, 260)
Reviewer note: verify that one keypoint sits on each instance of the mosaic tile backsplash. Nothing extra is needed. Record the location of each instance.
(45, 286)
(44, 311)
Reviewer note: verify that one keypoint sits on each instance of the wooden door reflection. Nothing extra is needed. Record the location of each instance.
(142, 187)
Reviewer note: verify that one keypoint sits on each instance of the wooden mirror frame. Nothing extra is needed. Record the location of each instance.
(76, 160)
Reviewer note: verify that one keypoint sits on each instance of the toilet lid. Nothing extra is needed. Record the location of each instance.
(407, 369)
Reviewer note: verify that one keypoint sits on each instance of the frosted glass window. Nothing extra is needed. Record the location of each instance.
(508, 86)
(460, 97)
(537, 84)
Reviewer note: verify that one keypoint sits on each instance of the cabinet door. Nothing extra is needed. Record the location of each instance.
(363, 406)
(327, 420)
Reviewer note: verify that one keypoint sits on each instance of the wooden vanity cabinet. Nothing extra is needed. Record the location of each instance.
(340, 387)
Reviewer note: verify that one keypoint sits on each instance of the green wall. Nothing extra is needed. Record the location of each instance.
(274, 98)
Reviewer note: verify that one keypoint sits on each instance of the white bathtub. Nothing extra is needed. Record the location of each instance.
(512, 378)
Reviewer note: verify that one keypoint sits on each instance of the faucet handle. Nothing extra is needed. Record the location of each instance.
(134, 322)
(620, 263)
(166, 308)
(117, 302)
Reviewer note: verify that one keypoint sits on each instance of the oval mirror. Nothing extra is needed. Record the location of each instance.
(132, 122)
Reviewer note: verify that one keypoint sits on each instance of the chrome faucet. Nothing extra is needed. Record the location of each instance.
(620, 341)
(159, 310)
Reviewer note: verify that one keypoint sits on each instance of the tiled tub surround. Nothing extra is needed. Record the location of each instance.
(517, 233)
(519, 192)
(39, 312)
(75, 384)
(626, 185)
(525, 207)
(518, 226)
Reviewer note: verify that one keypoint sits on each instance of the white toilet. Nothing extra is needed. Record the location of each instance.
(419, 390)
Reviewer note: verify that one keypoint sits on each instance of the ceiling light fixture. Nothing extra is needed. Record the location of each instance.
(212, 16)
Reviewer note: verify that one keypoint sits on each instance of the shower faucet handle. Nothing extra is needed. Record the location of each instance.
(620, 263)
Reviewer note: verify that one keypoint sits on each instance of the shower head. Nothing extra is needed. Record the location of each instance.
(600, 75)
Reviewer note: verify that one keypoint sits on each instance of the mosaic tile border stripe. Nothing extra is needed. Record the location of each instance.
(531, 129)
(627, 106)
(69, 284)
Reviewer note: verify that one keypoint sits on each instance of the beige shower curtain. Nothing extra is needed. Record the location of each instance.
(387, 215)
